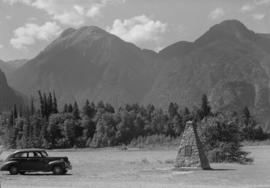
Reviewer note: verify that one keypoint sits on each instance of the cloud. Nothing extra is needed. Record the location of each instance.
(217, 14)
(94, 11)
(8, 17)
(17, 1)
(69, 12)
(139, 29)
(247, 8)
(262, 2)
(30, 33)
(253, 5)
(1, 46)
(258, 16)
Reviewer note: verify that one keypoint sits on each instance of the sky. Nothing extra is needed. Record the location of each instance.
(28, 26)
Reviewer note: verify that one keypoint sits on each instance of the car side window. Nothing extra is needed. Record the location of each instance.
(31, 154)
(44, 154)
(37, 154)
(34, 154)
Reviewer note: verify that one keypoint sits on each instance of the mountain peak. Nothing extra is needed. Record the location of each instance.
(231, 30)
(67, 32)
(91, 29)
(86, 30)
(231, 26)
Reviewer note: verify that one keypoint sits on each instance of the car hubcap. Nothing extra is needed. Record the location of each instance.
(13, 170)
(57, 170)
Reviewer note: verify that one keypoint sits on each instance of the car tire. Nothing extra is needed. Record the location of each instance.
(58, 170)
(13, 170)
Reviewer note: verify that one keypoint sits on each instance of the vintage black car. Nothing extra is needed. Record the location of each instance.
(35, 160)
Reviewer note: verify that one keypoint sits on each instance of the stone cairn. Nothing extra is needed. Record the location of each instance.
(191, 153)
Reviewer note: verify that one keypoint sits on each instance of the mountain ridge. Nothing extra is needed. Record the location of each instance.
(229, 63)
(99, 61)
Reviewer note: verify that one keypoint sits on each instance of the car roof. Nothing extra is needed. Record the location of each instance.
(28, 150)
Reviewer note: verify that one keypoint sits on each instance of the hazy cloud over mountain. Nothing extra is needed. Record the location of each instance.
(31, 33)
(139, 29)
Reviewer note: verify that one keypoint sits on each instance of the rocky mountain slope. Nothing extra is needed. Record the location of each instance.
(90, 63)
(8, 97)
(230, 63)
(10, 66)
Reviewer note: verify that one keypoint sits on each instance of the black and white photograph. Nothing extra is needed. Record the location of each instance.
(134, 93)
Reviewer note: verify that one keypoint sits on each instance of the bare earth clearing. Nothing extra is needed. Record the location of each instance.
(104, 168)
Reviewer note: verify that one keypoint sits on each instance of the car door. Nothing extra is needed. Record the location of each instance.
(22, 159)
(45, 160)
(35, 162)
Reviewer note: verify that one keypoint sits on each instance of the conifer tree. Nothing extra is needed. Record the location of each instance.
(70, 108)
(65, 110)
(46, 114)
(42, 104)
(32, 106)
(55, 107)
(173, 110)
(50, 104)
(205, 107)
(87, 109)
(75, 111)
(15, 112)
(246, 116)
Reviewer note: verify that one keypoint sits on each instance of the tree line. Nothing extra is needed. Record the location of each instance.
(44, 125)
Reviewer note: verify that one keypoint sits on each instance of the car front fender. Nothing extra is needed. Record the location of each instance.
(7, 165)
(57, 162)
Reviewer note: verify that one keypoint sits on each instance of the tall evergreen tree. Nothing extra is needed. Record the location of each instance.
(70, 108)
(75, 111)
(33, 110)
(246, 116)
(55, 106)
(15, 112)
(65, 109)
(50, 104)
(42, 104)
(173, 110)
(205, 107)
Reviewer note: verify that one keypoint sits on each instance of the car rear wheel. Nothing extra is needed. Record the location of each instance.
(13, 170)
(58, 170)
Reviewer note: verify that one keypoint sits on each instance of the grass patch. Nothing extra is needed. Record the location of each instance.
(155, 141)
(256, 143)
(145, 161)
(169, 161)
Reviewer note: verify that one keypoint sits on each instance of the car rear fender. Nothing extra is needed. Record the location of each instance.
(7, 165)
(57, 162)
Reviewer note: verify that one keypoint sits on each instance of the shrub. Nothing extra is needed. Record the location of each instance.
(222, 140)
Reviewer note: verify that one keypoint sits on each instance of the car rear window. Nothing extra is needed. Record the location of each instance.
(20, 155)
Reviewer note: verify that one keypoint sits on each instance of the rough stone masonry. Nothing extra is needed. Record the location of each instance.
(191, 153)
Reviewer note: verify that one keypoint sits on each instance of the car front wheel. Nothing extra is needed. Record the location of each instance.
(13, 170)
(58, 170)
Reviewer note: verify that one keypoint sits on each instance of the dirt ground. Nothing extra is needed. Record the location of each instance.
(113, 168)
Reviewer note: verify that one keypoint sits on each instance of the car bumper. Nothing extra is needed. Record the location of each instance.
(68, 166)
